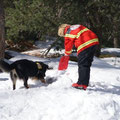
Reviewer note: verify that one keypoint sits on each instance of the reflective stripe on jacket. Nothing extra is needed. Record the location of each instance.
(80, 36)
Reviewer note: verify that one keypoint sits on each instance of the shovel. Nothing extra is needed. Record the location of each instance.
(63, 64)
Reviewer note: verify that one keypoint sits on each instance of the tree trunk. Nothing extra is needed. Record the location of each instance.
(2, 30)
(115, 42)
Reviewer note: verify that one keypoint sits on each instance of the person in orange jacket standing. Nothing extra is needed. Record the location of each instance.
(85, 41)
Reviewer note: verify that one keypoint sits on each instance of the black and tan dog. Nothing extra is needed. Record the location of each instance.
(24, 69)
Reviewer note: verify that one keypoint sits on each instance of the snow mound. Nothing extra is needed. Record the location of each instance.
(57, 100)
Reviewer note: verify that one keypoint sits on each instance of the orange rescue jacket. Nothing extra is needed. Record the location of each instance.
(80, 36)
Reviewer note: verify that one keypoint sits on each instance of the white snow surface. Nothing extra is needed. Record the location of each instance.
(57, 100)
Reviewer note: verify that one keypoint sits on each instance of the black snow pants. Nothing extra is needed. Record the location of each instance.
(85, 59)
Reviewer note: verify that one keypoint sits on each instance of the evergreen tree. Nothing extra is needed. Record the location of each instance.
(34, 19)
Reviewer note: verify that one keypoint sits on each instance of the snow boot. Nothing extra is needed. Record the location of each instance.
(82, 87)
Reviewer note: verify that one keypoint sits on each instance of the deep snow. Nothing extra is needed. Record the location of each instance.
(57, 100)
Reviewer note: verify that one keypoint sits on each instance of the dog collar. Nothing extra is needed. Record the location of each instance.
(39, 65)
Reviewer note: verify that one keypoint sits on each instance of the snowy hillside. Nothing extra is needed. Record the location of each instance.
(57, 100)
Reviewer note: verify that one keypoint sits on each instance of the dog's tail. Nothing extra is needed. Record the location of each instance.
(4, 66)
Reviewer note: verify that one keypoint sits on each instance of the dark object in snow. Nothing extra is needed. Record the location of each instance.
(24, 69)
(50, 80)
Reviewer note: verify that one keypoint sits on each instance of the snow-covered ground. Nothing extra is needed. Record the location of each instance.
(115, 61)
(57, 100)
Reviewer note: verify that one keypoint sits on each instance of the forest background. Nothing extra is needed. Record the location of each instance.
(26, 21)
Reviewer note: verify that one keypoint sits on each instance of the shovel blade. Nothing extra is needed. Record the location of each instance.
(63, 64)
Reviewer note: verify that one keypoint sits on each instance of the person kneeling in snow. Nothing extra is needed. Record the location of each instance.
(85, 41)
